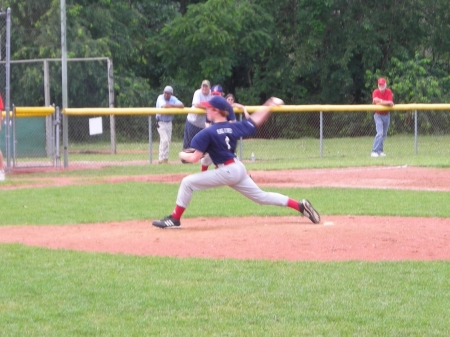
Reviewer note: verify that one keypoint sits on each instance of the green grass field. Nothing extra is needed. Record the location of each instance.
(47, 292)
(276, 154)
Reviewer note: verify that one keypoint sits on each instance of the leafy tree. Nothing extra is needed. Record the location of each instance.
(305, 51)
(213, 39)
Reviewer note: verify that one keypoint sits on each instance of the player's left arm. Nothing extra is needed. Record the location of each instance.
(190, 155)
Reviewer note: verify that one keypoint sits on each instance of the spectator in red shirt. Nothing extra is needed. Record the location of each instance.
(381, 96)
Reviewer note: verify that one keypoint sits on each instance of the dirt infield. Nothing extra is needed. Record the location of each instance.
(293, 238)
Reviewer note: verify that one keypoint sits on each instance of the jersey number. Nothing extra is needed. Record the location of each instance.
(227, 140)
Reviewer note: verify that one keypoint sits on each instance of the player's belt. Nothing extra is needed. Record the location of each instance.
(228, 162)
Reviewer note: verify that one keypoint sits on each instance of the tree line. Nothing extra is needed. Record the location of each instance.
(305, 51)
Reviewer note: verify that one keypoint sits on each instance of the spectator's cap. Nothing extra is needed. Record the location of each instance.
(217, 90)
(382, 81)
(217, 102)
(168, 90)
(206, 82)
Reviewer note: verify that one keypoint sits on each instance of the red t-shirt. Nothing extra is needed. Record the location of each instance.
(386, 96)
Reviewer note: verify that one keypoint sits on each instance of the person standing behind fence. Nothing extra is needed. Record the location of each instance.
(231, 100)
(2, 171)
(381, 96)
(196, 122)
(164, 122)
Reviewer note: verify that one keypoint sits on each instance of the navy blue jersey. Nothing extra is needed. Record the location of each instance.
(231, 115)
(220, 139)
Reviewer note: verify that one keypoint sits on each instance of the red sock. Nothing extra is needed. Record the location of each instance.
(178, 212)
(293, 204)
(204, 168)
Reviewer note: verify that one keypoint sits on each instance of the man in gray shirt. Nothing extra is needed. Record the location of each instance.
(196, 122)
(164, 122)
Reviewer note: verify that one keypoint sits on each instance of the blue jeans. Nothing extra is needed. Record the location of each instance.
(190, 130)
(382, 127)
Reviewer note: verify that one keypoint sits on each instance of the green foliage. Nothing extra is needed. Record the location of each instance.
(212, 38)
(417, 80)
(305, 51)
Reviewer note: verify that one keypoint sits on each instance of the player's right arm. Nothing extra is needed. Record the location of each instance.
(262, 114)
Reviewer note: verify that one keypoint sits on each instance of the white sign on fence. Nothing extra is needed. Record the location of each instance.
(95, 126)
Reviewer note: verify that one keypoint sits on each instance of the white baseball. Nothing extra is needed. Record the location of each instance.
(277, 101)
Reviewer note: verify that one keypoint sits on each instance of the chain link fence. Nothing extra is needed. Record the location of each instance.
(285, 137)
(4, 86)
(288, 136)
(34, 137)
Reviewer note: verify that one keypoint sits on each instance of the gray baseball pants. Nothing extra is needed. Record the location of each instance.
(233, 175)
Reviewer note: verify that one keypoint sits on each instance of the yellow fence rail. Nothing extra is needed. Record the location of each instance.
(29, 111)
(253, 108)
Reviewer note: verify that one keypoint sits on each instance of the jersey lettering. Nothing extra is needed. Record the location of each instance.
(224, 130)
(227, 141)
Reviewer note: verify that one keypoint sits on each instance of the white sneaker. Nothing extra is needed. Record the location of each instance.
(374, 154)
(2, 175)
(382, 154)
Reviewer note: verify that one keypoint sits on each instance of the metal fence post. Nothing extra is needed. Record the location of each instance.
(49, 129)
(415, 133)
(64, 82)
(12, 125)
(57, 122)
(150, 139)
(112, 118)
(321, 134)
(8, 90)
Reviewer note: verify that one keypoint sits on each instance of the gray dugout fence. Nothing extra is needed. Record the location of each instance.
(293, 132)
(30, 139)
(33, 144)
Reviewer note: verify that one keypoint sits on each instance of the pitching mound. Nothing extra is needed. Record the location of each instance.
(337, 238)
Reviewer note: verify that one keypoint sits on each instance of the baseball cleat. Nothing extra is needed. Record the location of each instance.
(307, 210)
(167, 222)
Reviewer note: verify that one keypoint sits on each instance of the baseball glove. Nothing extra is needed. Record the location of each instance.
(189, 150)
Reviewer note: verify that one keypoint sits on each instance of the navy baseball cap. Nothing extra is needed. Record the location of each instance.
(217, 90)
(217, 102)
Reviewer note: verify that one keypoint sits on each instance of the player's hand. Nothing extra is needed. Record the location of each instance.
(190, 155)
